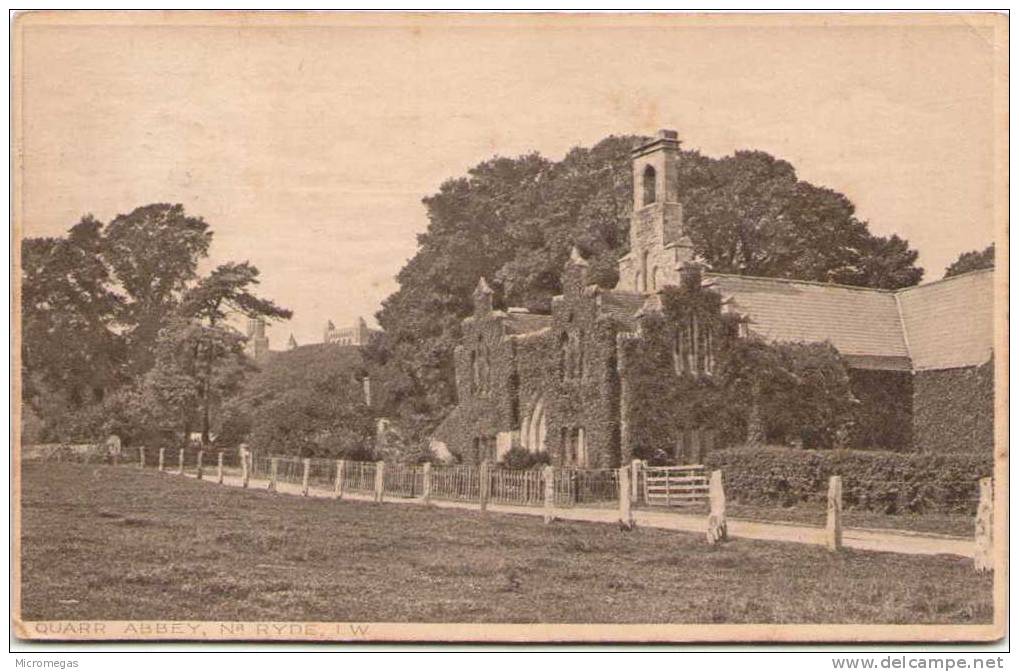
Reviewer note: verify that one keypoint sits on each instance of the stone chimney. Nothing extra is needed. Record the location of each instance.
(690, 274)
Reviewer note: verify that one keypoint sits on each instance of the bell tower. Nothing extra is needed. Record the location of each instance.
(658, 244)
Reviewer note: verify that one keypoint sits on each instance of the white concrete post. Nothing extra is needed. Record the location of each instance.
(833, 529)
(625, 492)
(380, 480)
(634, 480)
(180, 462)
(338, 484)
(716, 517)
(219, 467)
(162, 457)
(983, 556)
(426, 486)
(274, 465)
(245, 467)
(199, 464)
(305, 476)
(141, 457)
(549, 474)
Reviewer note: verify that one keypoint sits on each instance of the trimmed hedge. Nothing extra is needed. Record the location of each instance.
(871, 481)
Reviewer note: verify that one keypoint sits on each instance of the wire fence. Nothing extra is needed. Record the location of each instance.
(359, 477)
(458, 482)
(511, 486)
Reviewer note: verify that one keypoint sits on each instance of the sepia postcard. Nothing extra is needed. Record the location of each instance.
(509, 327)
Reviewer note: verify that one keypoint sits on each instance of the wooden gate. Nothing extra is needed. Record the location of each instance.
(686, 485)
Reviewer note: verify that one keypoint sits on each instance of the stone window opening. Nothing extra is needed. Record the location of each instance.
(564, 356)
(643, 271)
(650, 180)
(693, 348)
(475, 374)
(580, 355)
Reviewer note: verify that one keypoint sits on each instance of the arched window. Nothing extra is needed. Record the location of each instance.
(649, 185)
(564, 355)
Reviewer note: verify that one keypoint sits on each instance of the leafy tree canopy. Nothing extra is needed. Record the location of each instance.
(307, 401)
(972, 261)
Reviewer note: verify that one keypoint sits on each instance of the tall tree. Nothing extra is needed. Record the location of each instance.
(308, 401)
(153, 252)
(227, 289)
(70, 343)
(749, 214)
(972, 261)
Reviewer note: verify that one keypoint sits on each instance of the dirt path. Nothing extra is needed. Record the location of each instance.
(888, 541)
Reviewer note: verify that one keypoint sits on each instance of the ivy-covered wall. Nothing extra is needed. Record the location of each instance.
(953, 410)
(570, 367)
(664, 405)
(632, 387)
(883, 418)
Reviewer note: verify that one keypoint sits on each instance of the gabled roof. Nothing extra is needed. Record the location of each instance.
(518, 322)
(940, 325)
(858, 321)
(949, 323)
(622, 305)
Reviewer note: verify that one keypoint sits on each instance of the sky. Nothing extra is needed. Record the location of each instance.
(308, 141)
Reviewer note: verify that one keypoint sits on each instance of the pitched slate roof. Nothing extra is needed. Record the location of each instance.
(949, 323)
(525, 322)
(940, 325)
(621, 305)
(859, 322)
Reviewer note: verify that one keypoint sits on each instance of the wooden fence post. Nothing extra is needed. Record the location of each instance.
(246, 464)
(141, 456)
(305, 476)
(380, 480)
(162, 456)
(180, 462)
(199, 464)
(274, 465)
(549, 473)
(625, 493)
(635, 480)
(219, 467)
(833, 529)
(983, 555)
(484, 485)
(716, 517)
(426, 484)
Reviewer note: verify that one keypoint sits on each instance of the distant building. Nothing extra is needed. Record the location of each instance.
(355, 335)
(292, 343)
(257, 346)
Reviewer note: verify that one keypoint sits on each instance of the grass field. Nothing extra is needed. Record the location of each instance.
(102, 542)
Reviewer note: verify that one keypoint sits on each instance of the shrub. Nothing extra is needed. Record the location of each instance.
(521, 458)
(871, 480)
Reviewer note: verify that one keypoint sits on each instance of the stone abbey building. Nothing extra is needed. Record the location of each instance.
(613, 374)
